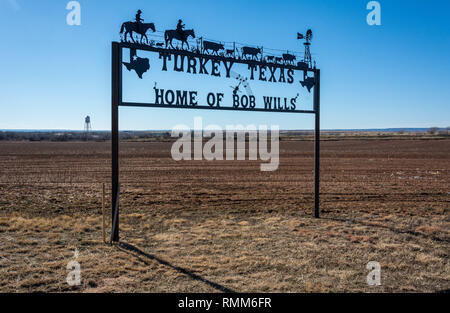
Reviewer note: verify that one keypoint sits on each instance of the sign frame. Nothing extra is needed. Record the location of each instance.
(117, 101)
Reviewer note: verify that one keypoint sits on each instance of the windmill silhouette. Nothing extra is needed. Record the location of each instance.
(308, 37)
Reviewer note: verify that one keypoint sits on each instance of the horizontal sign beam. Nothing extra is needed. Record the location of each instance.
(136, 46)
(207, 107)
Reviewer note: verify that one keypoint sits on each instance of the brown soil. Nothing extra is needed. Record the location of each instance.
(225, 225)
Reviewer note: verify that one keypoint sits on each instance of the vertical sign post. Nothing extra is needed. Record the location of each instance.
(116, 86)
(316, 142)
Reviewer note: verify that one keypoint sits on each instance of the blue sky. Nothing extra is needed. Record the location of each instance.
(394, 75)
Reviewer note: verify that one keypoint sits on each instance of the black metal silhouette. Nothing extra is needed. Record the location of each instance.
(139, 20)
(180, 27)
(307, 44)
(215, 47)
(308, 82)
(302, 65)
(250, 51)
(195, 51)
(236, 88)
(229, 52)
(171, 34)
(288, 58)
(130, 27)
(270, 58)
(139, 65)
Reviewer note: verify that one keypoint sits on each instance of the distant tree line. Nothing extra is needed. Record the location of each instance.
(166, 135)
(80, 136)
(439, 131)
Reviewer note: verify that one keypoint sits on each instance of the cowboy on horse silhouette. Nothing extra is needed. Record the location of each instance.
(179, 33)
(138, 27)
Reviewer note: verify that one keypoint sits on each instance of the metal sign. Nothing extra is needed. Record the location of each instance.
(240, 65)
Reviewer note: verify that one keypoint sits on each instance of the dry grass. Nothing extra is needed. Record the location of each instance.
(203, 225)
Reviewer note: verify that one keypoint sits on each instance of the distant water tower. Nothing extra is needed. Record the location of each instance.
(87, 125)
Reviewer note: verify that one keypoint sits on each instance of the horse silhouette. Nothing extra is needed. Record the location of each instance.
(174, 34)
(131, 27)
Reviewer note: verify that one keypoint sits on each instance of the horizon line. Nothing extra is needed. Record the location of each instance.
(166, 130)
